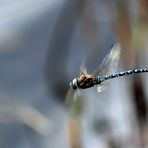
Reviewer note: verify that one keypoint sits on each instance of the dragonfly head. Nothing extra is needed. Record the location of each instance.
(73, 84)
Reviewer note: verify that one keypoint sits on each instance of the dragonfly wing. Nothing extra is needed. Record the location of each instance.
(72, 96)
(69, 95)
(110, 62)
(83, 69)
(109, 65)
(101, 87)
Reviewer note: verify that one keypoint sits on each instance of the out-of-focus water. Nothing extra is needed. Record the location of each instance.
(42, 45)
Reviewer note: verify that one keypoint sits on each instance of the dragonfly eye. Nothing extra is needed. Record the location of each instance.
(73, 84)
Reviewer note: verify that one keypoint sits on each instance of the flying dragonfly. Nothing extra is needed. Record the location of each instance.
(106, 71)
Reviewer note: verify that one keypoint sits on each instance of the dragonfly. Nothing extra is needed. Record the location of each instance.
(100, 77)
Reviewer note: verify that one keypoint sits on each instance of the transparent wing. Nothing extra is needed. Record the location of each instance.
(109, 65)
(72, 96)
(101, 87)
(110, 62)
(69, 95)
(83, 69)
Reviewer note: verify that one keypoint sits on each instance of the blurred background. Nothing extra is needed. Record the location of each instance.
(42, 45)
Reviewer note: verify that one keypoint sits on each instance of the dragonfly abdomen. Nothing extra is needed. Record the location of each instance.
(100, 79)
(125, 73)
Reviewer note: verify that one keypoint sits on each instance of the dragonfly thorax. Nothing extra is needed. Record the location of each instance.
(86, 81)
